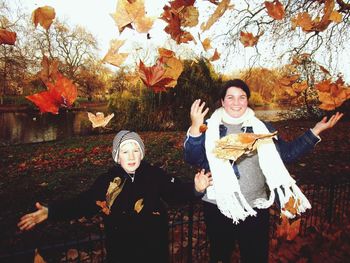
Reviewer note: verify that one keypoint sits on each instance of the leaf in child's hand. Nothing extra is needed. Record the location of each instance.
(104, 207)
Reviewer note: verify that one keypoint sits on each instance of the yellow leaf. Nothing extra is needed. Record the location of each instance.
(336, 17)
(138, 205)
(99, 120)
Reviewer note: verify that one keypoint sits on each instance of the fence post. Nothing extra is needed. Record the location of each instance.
(190, 232)
(331, 200)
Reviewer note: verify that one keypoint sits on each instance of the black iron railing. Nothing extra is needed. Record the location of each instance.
(188, 240)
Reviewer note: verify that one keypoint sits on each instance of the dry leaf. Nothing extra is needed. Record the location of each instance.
(113, 57)
(38, 258)
(114, 189)
(99, 120)
(288, 230)
(132, 12)
(215, 56)
(232, 146)
(7, 37)
(103, 205)
(219, 11)
(43, 16)
(248, 39)
(203, 128)
(138, 205)
(275, 9)
(172, 65)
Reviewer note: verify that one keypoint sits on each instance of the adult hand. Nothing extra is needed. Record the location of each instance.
(28, 221)
(202, 181)
(324, 124)
(197, 116)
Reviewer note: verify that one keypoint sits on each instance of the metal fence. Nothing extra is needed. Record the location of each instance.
(188, 240)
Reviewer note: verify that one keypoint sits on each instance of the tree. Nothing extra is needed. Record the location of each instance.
(317, 27)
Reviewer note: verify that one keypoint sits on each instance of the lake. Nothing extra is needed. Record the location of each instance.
(31, 126)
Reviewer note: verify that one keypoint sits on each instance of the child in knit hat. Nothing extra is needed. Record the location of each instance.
(130, 197)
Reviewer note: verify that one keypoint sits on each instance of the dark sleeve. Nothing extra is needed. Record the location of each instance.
(172, 189)
(194, 151)
(84, 204)
(293, 150)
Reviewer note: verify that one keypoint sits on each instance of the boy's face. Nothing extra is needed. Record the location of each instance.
(129, 156)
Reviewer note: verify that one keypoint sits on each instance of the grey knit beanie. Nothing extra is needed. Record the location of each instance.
(123, 136)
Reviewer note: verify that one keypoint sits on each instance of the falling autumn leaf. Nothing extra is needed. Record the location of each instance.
(206, 44)
(172, 65)
(130, 13)
(215, 56)
(153, 77)
(336, 17)
(43, 16)
(248, 39)
(275, 9)
(49, 69)
(61, 93)
(99, 120)
(219, 11)
(113, 57)
(179, 14)
(232, 146)
(7, 37)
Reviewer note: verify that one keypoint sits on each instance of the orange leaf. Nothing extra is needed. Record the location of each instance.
(38, 258)
(203, 128)
(336, 17)
(103, 205)
(275, 9)
(113, 57)
(206, 43)
(49, 69)
(288, 230)
(60, 93)
(219, 11)
(153, 77)
(248, 40)
(215, 56)
(7, 37)
(43, 16)
(173, 69)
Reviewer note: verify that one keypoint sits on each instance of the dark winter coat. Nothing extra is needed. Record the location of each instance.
(131, 236)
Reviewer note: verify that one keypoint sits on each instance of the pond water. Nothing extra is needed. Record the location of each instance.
(30, 127)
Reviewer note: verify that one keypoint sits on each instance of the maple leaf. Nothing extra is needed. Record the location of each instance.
(49, 69)
(232, 146)
(275, 9)
(172, 65)
(215, 56)
(219, 11)
(248, 39)
(7, 37)
(132, 12)
(189, 16)
(153, 77)
(61, 92)
(178, 14)
(288, 230)
(43, 16)
(99, 120)
(113, 57)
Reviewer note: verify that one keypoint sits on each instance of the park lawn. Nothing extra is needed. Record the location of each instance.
(61, 169)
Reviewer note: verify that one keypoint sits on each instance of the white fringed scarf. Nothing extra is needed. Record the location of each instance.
(226, 190)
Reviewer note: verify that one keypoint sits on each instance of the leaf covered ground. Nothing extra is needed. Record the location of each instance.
(56, 170)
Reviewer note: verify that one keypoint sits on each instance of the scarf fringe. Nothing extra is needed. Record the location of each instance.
(236, 208)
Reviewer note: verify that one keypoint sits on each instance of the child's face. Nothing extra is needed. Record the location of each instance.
(129, 156)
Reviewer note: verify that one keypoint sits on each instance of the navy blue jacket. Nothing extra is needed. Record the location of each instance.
(289, 151)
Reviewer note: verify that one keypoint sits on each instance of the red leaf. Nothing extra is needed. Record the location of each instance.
(7, 37)
(61, 93)
(153, 77)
